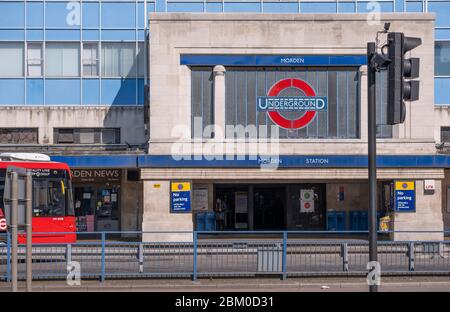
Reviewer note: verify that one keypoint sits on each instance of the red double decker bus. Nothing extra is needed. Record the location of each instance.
(53, 211)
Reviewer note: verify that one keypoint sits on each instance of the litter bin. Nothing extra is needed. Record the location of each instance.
(270, 258)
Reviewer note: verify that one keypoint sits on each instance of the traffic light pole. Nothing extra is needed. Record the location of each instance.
(372, 147)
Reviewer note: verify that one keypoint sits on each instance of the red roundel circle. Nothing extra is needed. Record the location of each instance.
(3, 225)
(286, 123)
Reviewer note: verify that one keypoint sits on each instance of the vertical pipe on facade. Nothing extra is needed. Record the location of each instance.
(81, 52)
(25, 51)
(136, 37)
(262, 6)
(44, 54)
(298, 6)
(100, 58)
(346, 100)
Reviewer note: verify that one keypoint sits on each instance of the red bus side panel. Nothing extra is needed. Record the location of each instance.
(52, 226)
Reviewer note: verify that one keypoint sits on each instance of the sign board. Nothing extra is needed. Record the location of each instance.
(96, 175)
(405, 196)
(200, 198)
(307, 103)
(21, 195)
(429, 185)
(306, 201)
(180, 197)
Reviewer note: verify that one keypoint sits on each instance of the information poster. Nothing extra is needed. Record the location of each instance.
(180, 197)
(200, 198)
(405, 196)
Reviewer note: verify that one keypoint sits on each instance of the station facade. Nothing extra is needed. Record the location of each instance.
(73, 77)
(213, 77)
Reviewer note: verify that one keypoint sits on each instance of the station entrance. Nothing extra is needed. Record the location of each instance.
(270, 206)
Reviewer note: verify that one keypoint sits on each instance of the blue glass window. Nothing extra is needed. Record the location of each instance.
(185, 7)
(318, 7)
(35, 15)
(442, 10)
(414, 6)
(118, 15)
(63, 14)
(442, 91)
(367, 6)
(280, 7)
(347, 7)
(91, 15)
(442, 58)
(12, 14)
(242, 7)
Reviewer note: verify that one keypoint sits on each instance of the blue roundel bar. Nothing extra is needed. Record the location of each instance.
(271, 60)
(282, 161)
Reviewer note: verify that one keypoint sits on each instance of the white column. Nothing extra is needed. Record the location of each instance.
(219, 101)
(363, 101)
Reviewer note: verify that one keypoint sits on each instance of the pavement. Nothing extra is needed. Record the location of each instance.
(337, 284)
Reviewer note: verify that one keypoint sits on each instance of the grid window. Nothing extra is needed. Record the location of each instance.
(90, 59)
(442, 58)
(339, 85)
(11, 59)
(118, 59)
(87, 136)
(445, 134)
(34, 59)
(18, 136)
(62, 59)
(202, 101)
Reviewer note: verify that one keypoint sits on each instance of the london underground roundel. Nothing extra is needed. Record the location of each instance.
(275, 104)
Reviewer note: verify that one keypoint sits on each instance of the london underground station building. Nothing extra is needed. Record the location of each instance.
(297, 85)
(254, 121)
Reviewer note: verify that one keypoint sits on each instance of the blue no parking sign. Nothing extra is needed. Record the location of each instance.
(180, 197)
(405, 196)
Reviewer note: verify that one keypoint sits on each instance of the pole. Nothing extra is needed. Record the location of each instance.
(372, 147)
(14, 221)
(29, 215)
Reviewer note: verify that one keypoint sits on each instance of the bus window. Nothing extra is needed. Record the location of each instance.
(69, 199)
(48, 198)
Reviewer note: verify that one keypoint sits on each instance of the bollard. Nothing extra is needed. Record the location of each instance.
(141, 258)
(284, 275)
(344, 255)
(194, 273)
(103, 269)
(411, 256)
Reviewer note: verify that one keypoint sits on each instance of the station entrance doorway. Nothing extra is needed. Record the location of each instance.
(270, 206)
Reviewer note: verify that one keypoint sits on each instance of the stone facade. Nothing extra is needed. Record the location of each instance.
(302, 34)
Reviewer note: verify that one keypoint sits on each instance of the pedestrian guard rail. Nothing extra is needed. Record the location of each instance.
(101, 255)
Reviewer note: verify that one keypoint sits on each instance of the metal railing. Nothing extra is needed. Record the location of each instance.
(103, 255)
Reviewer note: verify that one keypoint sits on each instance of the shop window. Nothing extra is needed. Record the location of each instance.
(34, 59)
(11, 59)
(87, 136)
(18, 136)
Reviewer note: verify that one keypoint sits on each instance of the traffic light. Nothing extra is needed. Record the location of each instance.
(400, 71)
